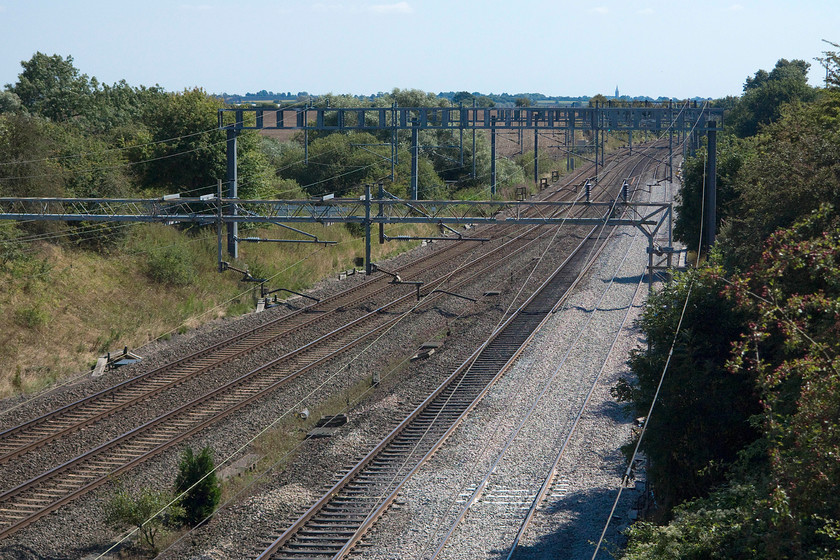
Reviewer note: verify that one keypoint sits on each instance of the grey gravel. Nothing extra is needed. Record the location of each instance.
(78, 530)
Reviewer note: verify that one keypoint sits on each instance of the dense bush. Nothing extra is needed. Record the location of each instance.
(173, 265)
(750, 404)
(197, 478)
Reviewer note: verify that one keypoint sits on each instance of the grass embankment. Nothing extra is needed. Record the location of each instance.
(61, 308)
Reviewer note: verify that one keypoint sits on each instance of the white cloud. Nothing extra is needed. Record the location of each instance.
(646, 12)
(735, 8)
(398, 8)
(600, 10)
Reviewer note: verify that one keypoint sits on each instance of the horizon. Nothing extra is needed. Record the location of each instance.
(356, 47)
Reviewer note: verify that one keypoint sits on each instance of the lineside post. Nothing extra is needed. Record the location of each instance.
(536, 154)
(596, 116)
(381, 213)
(493, 155)
(368, 267)
(473, 141)
(231, 177)
(219, 223)
(414, 153)
(670, 141)
(461, 134)
(710, 206)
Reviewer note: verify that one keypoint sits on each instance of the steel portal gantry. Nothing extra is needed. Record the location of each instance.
(682, 119)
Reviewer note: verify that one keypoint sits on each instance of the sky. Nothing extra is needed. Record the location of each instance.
(656, 48)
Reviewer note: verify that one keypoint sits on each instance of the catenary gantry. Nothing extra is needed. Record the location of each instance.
(683, 119)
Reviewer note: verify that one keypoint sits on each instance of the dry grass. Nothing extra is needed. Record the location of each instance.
(61, 308)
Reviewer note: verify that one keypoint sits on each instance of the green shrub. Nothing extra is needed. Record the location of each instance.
(32, 317)
(356, 230)
(202, 492)
(10, 248)
(173, 265)
(125, 510)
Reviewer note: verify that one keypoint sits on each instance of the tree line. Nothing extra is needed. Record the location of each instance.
(744, 438)
(65, 134)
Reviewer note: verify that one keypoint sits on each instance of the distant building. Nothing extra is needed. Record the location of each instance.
(616, 92)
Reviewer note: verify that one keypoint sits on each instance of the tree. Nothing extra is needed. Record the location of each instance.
(9, 102)
(599, 99)
(28, 145)
(119, 107)
(415, 98)
(197, 477)
(145, 512)
(522, 102)
(463, 98)
(767, 92)
(185, 124)
(831, 63)
(52, 87)
(792, 168)
(485, 101)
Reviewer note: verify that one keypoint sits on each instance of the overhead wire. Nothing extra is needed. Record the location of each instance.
(631, 461)
(279, 418)
(488, 439)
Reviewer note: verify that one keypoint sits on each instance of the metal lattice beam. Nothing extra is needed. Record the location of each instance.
(647, 216)
(205, 210)
(651, 119)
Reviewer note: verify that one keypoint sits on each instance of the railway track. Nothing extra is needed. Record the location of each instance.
(68, 419)
(35, 498)
(337, 522)
(31, 500)
(27, 502)
(72, 417)
(543, 486)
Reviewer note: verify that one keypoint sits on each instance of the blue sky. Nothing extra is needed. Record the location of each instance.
(645, 47)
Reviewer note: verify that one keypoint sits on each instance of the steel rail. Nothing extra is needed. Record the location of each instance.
(193, 409)
(508, 328)
(517, 430)
(183, 434)
(31, 435)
